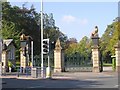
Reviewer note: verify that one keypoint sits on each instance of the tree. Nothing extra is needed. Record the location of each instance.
(18, 20)
(72, 48)
(109, 39)
(85, 46)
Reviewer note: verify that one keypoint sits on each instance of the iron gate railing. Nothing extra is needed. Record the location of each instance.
(37, 60)
(75, 62)
(78, 63)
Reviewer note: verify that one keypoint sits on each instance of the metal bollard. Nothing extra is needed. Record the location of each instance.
(18, 73)
(48, 73)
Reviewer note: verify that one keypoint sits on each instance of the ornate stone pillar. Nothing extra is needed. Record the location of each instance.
(95, 51)
(58, 58)
(117, 55)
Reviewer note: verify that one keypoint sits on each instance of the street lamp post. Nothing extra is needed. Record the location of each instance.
(42, 66)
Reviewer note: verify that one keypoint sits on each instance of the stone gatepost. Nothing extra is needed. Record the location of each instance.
(25, 52)
(96, 59)
(95, 51)
(23, 60)
(4, 61)
(58, 58)
(117, 55)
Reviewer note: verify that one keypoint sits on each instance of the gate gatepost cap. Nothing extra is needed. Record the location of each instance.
(58, 45)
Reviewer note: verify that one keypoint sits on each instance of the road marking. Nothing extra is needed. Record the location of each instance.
(62, 77)
(91, 79)
(37, 87)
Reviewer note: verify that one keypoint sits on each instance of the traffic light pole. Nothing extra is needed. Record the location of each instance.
(48, 73)
(42, 66)
(48, 60)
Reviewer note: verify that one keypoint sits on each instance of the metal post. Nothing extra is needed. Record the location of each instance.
(0, 50)
(48, 72)
(1, 38)
(42, 66)
(48, 60)
(48, 55)
(32, 53)
(0, 56)
(27, 55)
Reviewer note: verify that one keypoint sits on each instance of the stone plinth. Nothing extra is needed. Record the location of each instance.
(96, 59)
(23, 60)
(58, 58)
(117, 55)
(95, 40)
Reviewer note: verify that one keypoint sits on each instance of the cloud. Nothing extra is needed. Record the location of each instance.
(72, 19)
(83, 21)
(68, 19)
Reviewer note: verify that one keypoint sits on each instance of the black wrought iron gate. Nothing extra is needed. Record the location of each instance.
(77, 62)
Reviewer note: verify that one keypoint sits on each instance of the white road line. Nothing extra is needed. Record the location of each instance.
(91, 79)
(37, 87)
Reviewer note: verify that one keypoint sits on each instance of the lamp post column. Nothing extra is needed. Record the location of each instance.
(42, 66)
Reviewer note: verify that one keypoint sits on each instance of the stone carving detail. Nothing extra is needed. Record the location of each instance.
(24, 37)
(57, 45)
(95, 32)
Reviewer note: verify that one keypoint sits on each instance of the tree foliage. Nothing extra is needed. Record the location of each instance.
(82, 48)
(109, 39)
(16, 20)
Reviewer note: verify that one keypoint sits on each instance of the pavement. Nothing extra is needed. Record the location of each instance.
(70, 75)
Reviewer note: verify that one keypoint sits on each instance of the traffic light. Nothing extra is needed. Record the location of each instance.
(45, 46)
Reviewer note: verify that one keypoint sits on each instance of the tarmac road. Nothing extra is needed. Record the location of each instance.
(64, 80)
